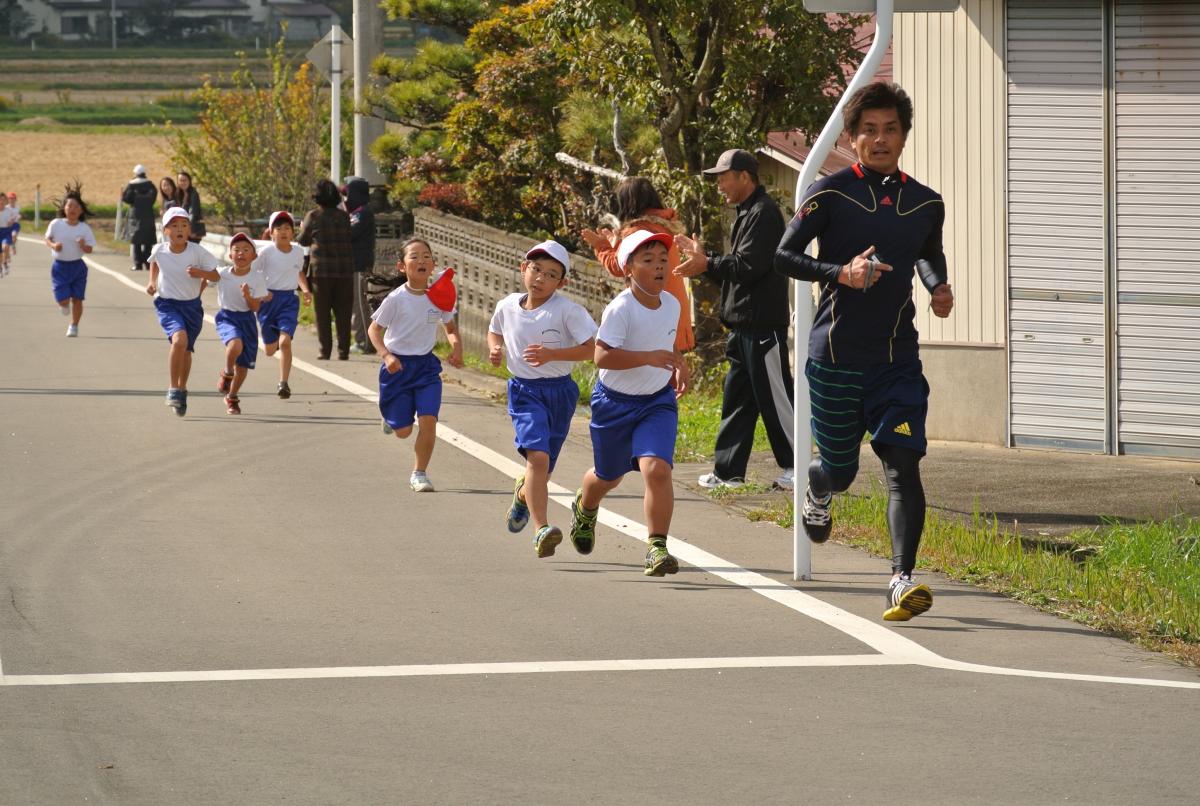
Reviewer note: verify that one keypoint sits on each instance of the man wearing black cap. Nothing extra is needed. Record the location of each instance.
(754, 306)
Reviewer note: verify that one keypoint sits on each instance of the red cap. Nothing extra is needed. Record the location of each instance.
(241, 236)
(442, 293)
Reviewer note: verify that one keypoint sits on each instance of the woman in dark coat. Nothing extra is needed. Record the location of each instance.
(140, 195)
(326, 232)
(187, 197)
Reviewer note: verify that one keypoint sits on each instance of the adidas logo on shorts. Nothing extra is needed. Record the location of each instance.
(903, 429)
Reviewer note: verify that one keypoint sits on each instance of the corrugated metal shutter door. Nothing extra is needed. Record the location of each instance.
(1157, 55)
(1055, 223)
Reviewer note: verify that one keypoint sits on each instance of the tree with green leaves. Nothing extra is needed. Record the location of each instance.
(260, 146)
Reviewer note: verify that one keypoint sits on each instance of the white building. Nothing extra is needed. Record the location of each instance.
(76, 20)
(1062, 134)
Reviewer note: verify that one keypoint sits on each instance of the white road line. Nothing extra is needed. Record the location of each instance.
(893, 647)
(450, 669)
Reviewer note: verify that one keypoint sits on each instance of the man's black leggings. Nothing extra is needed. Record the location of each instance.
(906, 498)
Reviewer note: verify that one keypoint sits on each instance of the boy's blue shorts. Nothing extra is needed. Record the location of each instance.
(541, 410)
(239, 325)
(69, 278)
(279, 315)
(416, 390)
(888, 401)
(627, 427)
(6, 236)
(180, 314)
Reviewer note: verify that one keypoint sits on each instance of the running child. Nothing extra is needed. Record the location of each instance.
(634, 412)
(8, 218)
(177, 298)
(403, 330)
(282, 264)
(16, 216)
(241, 292)
(540, 334)
(69, 239)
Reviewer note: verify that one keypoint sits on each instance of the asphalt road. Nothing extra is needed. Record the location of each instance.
(256, 609)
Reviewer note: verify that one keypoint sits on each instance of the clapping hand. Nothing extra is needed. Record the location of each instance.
(694, 261)
(598, 240)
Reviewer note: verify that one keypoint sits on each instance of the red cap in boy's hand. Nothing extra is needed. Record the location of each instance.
(442, 293)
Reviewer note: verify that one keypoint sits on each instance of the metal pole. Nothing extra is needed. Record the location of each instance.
(368, 43)
(37, 208)
(802, 548)
(112, 16)
(335, 106)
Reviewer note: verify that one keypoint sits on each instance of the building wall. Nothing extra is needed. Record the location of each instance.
(952, 65)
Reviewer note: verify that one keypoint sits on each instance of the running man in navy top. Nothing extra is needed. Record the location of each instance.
(876, 227)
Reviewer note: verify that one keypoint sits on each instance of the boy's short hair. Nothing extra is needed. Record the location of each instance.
(636, 240)
(553, 250)
(878, 95)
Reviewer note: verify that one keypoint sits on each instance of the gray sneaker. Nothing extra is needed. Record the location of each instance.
(420, 482)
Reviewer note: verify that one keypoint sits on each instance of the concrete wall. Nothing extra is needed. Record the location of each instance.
(968, 397)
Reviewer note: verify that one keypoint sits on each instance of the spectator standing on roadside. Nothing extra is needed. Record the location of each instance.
(754, 306)
(640, 207)
(168, 194)
(362, 238)
(140, 195)
(326, 232)
(187, 197)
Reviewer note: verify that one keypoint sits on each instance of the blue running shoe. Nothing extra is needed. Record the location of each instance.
(518, 511)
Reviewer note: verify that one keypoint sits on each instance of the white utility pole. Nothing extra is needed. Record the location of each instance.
(335, 104)
(368, 43)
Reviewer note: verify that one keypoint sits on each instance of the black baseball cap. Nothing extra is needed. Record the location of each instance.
(735, 159)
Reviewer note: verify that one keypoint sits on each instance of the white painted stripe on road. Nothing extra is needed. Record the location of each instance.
(452, 669)
(894, 648)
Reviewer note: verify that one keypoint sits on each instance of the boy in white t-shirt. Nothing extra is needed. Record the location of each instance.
(282, 264)
(177, 297)
(541, 334)
(70, 238)
(241, 292)
(634, 414)
(9, 218)
(404, 330)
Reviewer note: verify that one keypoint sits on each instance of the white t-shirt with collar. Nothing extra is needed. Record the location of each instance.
(629, 325)
(411, 321)
(173, 279)
(556, 323)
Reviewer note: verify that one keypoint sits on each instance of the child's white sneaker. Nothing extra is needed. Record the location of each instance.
(420, 482)
(72, 330)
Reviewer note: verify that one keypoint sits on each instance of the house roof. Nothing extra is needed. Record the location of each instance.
(301, 10)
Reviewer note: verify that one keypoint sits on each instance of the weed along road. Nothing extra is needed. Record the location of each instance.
(255, 608)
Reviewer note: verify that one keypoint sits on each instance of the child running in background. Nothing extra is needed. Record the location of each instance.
(176, 295)
(241, 291)
(69, 239)
(634, 412)
(16, 217)
(282, 265)
(403, 330)
(541, 334)
(8, 218)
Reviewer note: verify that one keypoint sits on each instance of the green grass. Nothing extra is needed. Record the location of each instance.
(1138, 581)
(101, 114)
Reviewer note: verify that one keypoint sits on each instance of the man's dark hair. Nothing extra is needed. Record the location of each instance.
(878, 95)
(635, 196)
(326, 194)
